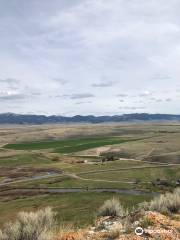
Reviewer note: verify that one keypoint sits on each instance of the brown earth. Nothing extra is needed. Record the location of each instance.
(160, 227)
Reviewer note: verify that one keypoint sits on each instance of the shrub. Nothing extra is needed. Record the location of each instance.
(165, 203)
(143, 206)
(146, 222)
(55, 159)
(113, 233)
(127, 224)
(30, 226)
(113, 208)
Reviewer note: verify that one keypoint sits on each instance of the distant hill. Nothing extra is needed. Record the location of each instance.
(11, 118)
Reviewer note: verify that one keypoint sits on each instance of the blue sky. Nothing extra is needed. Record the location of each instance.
(89, 56)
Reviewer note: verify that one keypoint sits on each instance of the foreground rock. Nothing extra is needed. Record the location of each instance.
(151, 225)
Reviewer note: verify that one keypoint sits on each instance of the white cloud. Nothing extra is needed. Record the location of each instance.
(145, 94)
(107, 49)
(10, 95)
(104, 84)
(81, 96)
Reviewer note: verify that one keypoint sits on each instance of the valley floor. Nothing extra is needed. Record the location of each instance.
(63, 166)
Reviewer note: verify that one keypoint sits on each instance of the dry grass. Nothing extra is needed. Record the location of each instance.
(19, 133)
(68, 232)
(114, 233)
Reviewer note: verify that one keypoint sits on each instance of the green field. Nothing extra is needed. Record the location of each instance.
(70, 146)
(24, 160)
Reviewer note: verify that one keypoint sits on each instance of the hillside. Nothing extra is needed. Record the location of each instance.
(158, 219)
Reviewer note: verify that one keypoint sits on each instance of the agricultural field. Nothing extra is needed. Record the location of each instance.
(74, 168)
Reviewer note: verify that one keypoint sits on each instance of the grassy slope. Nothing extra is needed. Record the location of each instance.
(149, 174)
(76, 208)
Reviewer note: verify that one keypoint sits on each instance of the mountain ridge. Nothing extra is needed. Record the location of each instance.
(12, 118)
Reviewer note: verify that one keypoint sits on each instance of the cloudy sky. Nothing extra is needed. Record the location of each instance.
(84, 57)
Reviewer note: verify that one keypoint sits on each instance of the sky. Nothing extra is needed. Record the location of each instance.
(101, 57)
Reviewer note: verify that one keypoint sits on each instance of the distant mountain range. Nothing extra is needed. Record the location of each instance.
(11, 118)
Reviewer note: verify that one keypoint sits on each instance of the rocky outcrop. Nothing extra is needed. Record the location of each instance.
(149, 226)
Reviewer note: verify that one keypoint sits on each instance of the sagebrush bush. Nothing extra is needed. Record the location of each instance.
(165, 203)
(30, 226)
(113, 208)
(146, 222)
